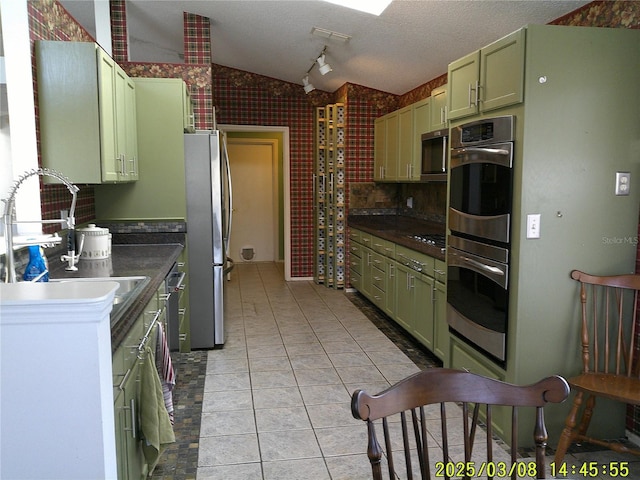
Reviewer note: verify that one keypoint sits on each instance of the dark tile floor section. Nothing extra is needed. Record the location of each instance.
(180, 460)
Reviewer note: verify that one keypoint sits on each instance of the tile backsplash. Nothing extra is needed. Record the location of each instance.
(369, 198)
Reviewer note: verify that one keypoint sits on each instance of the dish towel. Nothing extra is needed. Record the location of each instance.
(154, 419)
(165, 370)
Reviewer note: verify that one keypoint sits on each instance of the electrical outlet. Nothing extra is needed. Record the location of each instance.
(410, 202)
(533, 225)
(623, 183)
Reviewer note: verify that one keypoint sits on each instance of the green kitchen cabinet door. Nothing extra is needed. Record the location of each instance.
(423, 291)
(392, 131)
(502, 72)
(463, 76)
(440, 327)
(130, 131)
(405, 144)
(421, 124)
(111, 160)
(404, 286)
(365, 285)
(390, 287)
(439, 108)
(379, 148)
(130, 458)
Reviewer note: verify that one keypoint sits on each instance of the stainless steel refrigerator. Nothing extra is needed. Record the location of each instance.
(209, 206)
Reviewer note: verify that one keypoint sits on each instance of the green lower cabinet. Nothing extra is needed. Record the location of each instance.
(404, 297)
(382, 271)
(440, 327)
(390, 286)
(423, 310)
(131, 463)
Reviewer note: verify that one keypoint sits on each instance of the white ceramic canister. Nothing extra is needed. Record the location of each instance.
(97, 242)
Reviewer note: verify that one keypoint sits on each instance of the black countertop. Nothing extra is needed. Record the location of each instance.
(399, 229)
(151, 260)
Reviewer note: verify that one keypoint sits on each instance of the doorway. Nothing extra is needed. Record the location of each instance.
(254, 173)
(284, 211)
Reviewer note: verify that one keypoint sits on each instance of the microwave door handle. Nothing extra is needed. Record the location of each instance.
(444, 154)
(482, 266)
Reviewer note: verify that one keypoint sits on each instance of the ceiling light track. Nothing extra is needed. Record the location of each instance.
(323, 68)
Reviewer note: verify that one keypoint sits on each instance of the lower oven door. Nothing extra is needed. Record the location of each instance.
(477, 297)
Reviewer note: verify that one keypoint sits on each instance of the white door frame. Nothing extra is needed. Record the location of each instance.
(286, 173)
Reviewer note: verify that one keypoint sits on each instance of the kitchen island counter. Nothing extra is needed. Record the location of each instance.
(399, 229)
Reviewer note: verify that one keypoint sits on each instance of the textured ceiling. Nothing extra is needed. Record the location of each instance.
(411, 43)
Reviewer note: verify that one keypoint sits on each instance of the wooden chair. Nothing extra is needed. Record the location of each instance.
(610, 363)
(423, 397)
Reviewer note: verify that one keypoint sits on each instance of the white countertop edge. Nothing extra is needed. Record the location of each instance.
(82, 301)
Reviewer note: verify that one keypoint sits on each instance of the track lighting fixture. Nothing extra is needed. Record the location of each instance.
(308, 87)
(323, 67)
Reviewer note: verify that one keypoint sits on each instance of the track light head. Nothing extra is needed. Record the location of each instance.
(308, 87)
(322, 66)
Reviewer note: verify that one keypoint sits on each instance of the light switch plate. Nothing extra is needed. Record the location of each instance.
(533, 225)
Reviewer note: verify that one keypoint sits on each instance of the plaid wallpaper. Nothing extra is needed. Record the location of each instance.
(119, 36)
(197, 39)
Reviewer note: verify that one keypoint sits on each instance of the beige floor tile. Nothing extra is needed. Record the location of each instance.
(288, 445)
(228, 450)
(285, 418)
(308, 468)
(243, 471)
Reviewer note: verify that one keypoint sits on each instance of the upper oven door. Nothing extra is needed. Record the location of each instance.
(481, 190)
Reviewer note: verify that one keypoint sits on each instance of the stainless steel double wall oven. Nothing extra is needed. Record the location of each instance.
(480, 207)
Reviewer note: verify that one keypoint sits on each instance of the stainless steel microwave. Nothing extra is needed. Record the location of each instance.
(434, 156)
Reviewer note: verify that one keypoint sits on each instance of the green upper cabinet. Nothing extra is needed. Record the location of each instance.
(421, 124)
(86, 113)
(379, 146)
(439, 108)
(392, 125)
(159, 194)
(489, 78)
(395, 159)
(406, 165)
(464, 76)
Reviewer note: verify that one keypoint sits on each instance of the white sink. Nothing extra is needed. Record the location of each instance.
(128, 289)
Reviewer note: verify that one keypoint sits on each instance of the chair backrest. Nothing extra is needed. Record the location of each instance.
(609, 332)
(424, 431)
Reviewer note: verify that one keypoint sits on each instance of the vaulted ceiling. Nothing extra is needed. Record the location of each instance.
(410, 43)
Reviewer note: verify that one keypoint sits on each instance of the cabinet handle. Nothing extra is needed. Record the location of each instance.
(133, 166)
(433, 294)
(469, 97)
(392, 270)
(132, 411)
(477, 92)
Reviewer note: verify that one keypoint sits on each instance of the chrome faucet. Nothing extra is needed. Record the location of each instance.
(9, 213)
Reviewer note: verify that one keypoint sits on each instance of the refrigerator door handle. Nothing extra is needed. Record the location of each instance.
(228, 167)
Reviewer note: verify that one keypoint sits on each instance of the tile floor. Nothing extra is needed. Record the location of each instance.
(274, 402)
